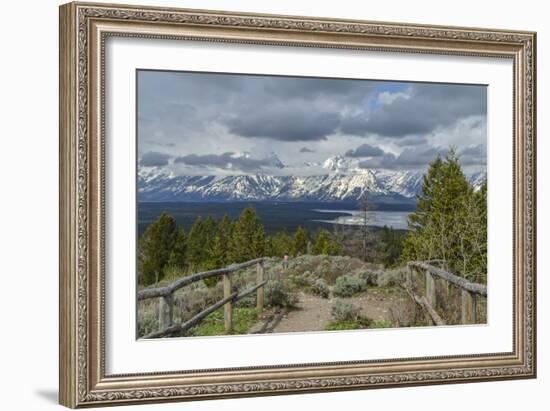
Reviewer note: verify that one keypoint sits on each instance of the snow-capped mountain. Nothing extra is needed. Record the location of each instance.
(342, 179)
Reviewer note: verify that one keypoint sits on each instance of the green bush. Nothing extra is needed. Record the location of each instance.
(278, 294)
(381, 324)
(391, 278)
(343, 311)
(370, 277)
(147, 318)
(348, 285)
(299, 281)
(320, 288)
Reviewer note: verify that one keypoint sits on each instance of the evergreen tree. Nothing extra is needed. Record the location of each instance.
(450, 221)
(299, 242)
(392, 245)
(258, 243)
(196, 243)
(162, 244)
(324, 244)
(280, 244)
(225, 232)
(248, 238)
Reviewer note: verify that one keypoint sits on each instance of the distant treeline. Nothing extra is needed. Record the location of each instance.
(212, 243)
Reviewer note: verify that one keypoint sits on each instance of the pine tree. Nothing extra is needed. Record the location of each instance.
(299, 242)
(196, 243)
(450, 221)
(324, 244)
(162, 244)
(247, 241)
(225, 232)
(280, 244)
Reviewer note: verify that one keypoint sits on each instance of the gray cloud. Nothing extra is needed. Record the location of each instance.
(428, 107)
(230, 161)
(285, 123)
(387, 160)
(414, 140)
(186, 113)
(409, 158)
(365, 150)
(473, 155)
(154, 159)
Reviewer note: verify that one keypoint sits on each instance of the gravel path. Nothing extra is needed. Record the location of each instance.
(313, 313)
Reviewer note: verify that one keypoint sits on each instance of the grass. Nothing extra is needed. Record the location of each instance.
(243, 319)
(361, 323)
(344, 325)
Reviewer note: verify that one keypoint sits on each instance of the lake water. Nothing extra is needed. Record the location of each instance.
(275, 216)
(394, 219)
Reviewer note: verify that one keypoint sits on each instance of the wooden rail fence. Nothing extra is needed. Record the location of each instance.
(166, 298)
(470, 292)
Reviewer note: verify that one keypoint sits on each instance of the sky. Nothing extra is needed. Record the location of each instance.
(223, 124)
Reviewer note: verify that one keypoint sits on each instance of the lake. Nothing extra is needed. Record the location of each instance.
(395, 219)
(276, 216)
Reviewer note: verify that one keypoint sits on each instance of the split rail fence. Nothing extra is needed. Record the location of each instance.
(166, 298)
(470, 292)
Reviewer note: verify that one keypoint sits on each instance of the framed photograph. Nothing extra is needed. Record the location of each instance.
(259, 204)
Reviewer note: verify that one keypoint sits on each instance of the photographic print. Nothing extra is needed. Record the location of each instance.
(275, 204)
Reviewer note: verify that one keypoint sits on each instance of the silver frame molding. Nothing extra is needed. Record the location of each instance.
(84, 27)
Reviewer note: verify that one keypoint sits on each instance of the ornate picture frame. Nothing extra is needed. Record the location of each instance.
(84, 29)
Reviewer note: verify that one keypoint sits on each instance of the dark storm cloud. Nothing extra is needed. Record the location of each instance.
(229, 161)
(365, 150)
(154, 159)
(306, 150)
(428, 107)
(285, 123)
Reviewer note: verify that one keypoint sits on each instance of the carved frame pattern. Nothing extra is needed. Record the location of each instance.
(82, 378)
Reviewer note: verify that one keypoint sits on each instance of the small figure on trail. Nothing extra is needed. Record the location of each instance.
(285, 261)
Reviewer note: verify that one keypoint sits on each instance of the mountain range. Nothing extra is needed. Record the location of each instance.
(341, 179)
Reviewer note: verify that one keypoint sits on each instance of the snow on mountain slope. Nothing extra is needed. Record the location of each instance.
(344, 180)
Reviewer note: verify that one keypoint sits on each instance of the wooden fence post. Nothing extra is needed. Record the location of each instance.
(260, 291)
(468, 308)
(430, 289)
(444, 287)
(228, 307)
(409, 278)
(166, 311)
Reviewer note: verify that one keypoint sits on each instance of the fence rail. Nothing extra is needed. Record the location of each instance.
(166, 298)
(469, 291)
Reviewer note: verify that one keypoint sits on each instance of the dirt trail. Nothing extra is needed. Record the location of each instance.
(313, 313)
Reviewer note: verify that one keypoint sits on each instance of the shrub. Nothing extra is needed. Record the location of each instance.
(320, 288)
(147, 318)
(348, 285)
(299, 280)
(277, 294)
(391, 278)
(370, 277)
(344, 311)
